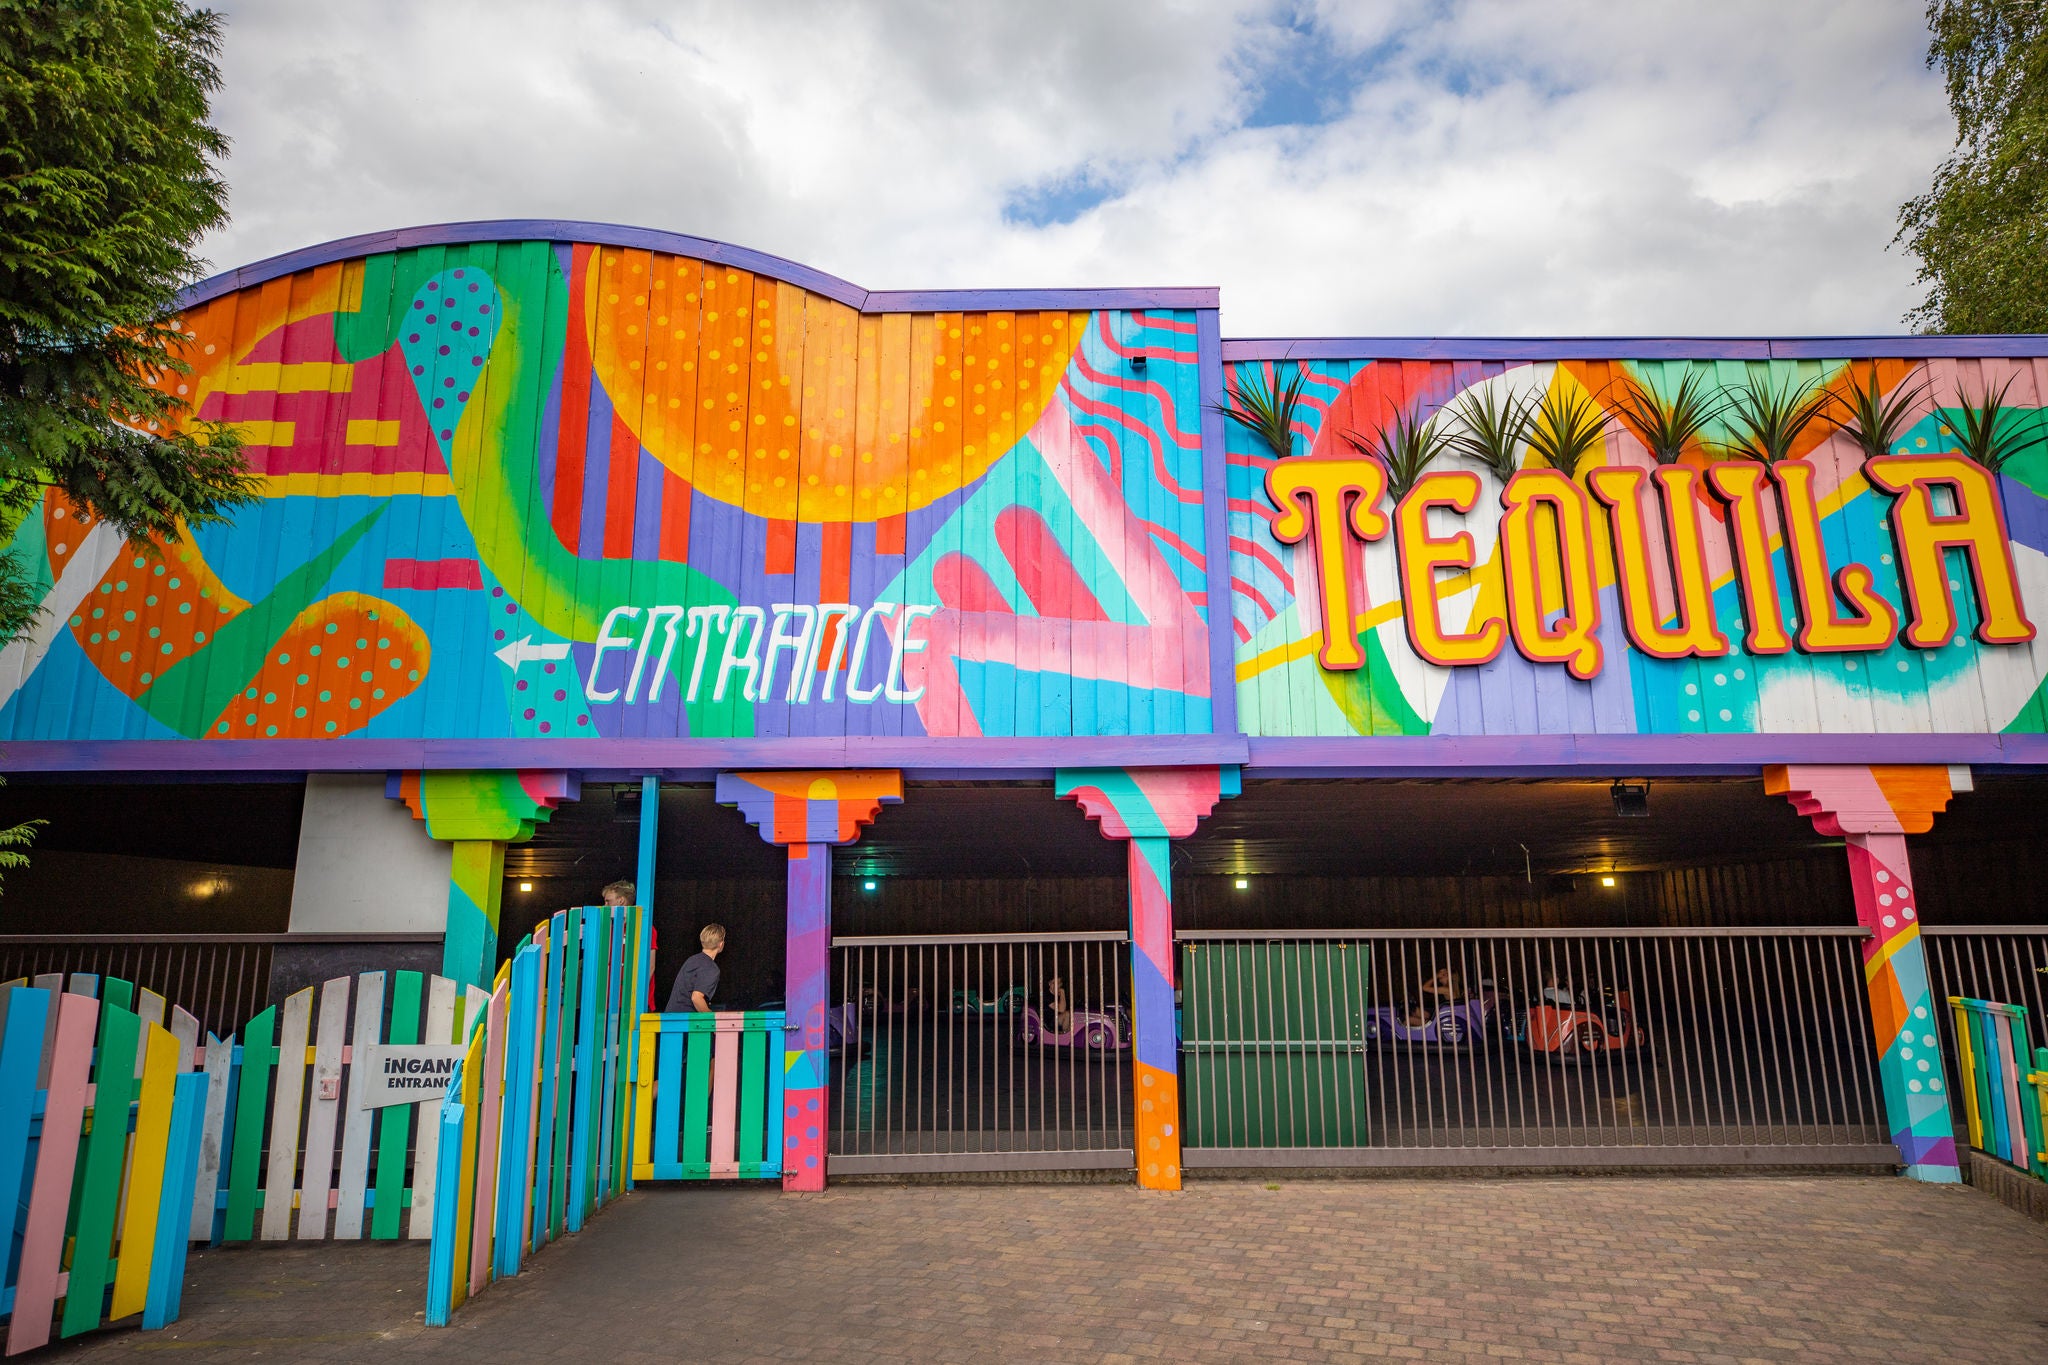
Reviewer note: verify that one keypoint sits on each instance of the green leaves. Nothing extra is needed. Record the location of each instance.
(1266, 412)
(1666, 426)
(1769, 418)
(1493, 426)
(107, 184)
(1568, 424)
(1871, 419)
(15, 838)
(1992, 434)
(1405, 445)
(1981, 229)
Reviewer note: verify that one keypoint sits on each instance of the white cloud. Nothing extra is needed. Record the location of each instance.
(1500, 166)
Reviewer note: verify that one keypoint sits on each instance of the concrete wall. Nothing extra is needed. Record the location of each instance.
(365, 865)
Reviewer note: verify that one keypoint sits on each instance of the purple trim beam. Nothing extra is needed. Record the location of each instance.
(702, 248)
(1632, 348)
(1624, 755)
(638, 756)
(1216, 526)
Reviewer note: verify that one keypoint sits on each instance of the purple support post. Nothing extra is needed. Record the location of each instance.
(808, 813)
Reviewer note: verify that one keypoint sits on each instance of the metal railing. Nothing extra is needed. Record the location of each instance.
(2006, 962)
(1646, 1047)
(980, 1052)
(223, 979)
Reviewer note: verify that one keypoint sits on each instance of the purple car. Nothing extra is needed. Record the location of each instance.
(1457, 1025)
(1095, 1030)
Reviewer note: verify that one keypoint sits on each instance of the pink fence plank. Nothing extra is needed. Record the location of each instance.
(725, 1100)
(487, 1140)
(42, 1246)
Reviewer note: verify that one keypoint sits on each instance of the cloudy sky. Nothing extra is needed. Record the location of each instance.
(1382, 167)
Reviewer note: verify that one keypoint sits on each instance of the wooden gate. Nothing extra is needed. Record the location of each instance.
(708, 1098)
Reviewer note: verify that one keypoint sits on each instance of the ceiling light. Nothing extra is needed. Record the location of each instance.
(1607, 881)
(1244, 883)
(868, 885)
(526, 886)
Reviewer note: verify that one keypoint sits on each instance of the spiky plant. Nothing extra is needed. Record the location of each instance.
(1266, 411)
(1569, 423)
(1992, 434)
(1872, 420)
(1666, 426)
(1405, 444)
(16, 838)
(1770, 418)
(1492, 428)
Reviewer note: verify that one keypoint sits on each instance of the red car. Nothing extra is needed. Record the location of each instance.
(1577, 1032)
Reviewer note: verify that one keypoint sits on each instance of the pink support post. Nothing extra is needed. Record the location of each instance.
(1872, 809)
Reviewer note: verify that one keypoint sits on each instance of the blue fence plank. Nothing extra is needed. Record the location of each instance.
(174, 1216)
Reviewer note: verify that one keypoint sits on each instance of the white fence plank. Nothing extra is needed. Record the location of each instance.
(279, 1181)
(427, 1145)
(220, 1054)
(323, 1107)
(355, 1131)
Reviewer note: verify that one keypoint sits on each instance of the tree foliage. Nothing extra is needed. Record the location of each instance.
(1981, 230)
(107, 183)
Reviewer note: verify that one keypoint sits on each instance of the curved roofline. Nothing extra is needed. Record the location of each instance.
(1635, 348)
(701, 248)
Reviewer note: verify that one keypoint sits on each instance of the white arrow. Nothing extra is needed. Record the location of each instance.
(524, 650)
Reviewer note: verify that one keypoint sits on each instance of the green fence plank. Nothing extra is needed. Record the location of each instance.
(106, 1152)
(115, 991)
(252, 1109)
(697, 1102)
(565, 1064)
(394, 1125)
(753, 1095)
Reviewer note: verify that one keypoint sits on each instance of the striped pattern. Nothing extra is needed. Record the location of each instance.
(708, 1097)
(2002, 1091)
(537, 1128)
(1964, 687)
(99, 1131)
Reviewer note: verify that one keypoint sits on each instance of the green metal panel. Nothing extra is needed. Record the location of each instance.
(1273, 1040)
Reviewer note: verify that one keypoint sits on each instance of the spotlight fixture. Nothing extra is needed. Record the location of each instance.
(1244, 883)
(1607, 881)
(526, 886)
(868, 885)
(1630, 798)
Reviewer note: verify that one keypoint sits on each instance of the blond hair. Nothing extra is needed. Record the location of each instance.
(622, 889)
(711, 935)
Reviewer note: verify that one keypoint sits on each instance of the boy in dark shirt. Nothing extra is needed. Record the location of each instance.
(697, 982)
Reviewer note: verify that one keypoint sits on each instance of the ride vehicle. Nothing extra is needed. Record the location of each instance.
(1568, 1030)
(967, 1000)
(1100, 1031)
(1461, 1023)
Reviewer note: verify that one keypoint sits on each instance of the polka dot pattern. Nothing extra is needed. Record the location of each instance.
(344, 661)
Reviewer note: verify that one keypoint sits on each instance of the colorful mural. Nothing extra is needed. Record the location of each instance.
(543, 490)
(1525, 641)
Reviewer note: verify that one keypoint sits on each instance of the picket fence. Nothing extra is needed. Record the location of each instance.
(537, 1118)
(707, 1096)
(2004, 1098)
(100, 1120)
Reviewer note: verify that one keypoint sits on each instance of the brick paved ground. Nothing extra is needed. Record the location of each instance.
(1551, 1270)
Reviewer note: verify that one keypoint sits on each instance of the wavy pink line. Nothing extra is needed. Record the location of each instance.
(1186, 440)
(1187, 552)
(1165, 324)
(1244, 589)
(1116, 453)
(1159, 469)
(1265, 557)
(1109, 340)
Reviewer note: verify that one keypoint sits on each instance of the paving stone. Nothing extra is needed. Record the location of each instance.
(1567, 1271)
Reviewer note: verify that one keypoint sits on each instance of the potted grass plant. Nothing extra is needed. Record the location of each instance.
(1492, 427)
(1768, 419)
(1993, 434)
(1405, 444)
(1874, 421)
(1265, 409)
(1568, 425)
(1667, 426)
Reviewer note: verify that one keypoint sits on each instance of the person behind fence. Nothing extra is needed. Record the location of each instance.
(619, 893)
(697, 983)
(1447, 987)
